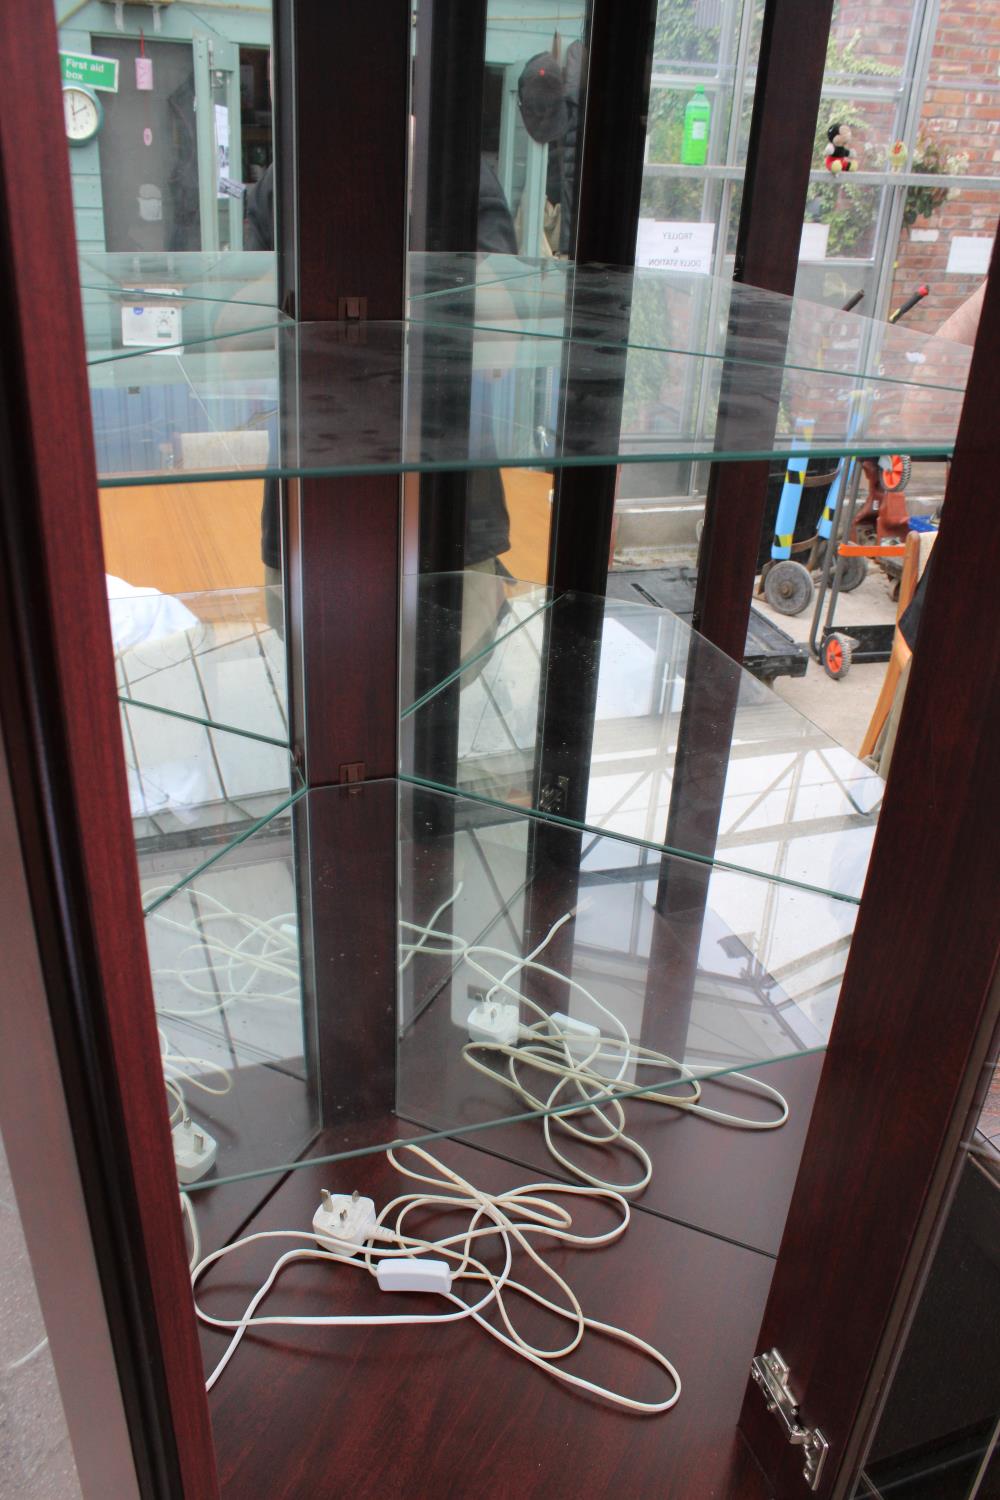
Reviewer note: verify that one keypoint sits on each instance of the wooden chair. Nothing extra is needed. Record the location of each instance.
(916, 552)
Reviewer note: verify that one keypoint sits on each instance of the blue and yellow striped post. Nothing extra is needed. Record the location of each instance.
(791, 494)
(858, 406)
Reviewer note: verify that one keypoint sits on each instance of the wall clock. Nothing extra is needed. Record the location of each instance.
(83, 112)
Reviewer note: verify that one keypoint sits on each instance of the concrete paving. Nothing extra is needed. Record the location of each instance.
(842, 707)
(659, 535)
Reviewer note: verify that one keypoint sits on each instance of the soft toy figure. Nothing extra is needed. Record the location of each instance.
(839, 157)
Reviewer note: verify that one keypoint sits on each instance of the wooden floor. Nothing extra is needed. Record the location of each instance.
(184, 538)
(188, 538)
(527, 493)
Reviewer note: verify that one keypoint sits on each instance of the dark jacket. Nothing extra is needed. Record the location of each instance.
(572, 76)
(487, 524)
(258, 217)
(258, 234)
(495, 229)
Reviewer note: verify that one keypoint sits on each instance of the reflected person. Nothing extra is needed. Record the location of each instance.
(487, 532)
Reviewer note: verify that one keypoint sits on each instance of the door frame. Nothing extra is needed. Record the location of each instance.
(920, 1001)
(62, 737)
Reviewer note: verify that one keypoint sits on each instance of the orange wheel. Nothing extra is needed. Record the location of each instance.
(895, 469)
(836, 656)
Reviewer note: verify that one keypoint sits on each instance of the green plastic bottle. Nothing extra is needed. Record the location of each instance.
(694, 144)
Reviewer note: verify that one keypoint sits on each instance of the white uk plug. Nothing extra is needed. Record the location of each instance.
(344, 1222)
(492, 1022)
(194, 1151)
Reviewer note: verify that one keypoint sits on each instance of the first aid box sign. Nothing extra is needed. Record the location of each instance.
(93, 72)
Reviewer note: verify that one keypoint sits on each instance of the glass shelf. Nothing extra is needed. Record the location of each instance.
(789, 802)
(217, 660)
(195, 789)
(251, 276)
(114, 323)
(452, 622)
(431, 274)
(168, 301)
(653, 735)
(325, 401)
(647, 308)
(211, 275)
(644, 308)
(717, 969)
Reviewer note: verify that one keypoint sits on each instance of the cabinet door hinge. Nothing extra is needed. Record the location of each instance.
(771, 1373)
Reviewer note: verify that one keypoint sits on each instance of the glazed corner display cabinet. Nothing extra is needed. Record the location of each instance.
(612, 865)
(496, 928)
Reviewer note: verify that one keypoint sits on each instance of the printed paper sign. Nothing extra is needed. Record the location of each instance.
(222, 145)
(150, 325)
(813, 243)
(969, 254)
(675, 246)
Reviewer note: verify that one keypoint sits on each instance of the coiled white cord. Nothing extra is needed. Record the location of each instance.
(547, 1048)
(270, 947)
(228, 969)
(512, 1217)
(178, 1068)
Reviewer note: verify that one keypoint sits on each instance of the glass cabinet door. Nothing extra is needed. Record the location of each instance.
(584, 916)
(939, 1431)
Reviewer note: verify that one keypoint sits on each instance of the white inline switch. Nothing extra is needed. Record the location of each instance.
(413, 1274)
(581, 1038)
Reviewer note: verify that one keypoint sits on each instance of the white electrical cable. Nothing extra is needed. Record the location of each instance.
(480, 1202)
(228, 969)
(414, 948)
(176, 1068)
(513, 1217)
(542, 1045)
(548, 1049)
(176, 1094)
(189, 1214)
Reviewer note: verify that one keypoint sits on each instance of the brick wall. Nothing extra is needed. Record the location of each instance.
(958, 116)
